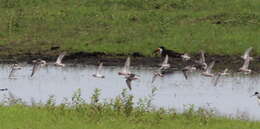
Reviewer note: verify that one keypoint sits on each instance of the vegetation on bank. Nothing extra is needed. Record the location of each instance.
(118, 113)
(127, 26)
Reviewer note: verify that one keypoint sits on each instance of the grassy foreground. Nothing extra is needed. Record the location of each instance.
(117, 114)
(23, 117)
(222, 27)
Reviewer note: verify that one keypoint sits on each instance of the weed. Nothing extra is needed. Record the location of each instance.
(118, 113)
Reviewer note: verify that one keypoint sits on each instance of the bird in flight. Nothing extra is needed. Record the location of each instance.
(59, 60)
(98, 72)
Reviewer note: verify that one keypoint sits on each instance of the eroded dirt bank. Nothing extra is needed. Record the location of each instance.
(231, 62)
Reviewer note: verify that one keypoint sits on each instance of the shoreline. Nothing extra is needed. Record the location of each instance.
(222, 61)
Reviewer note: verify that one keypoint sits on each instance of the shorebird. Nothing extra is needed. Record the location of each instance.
(59, 60)
(157, 73)
(224, 73)
(164, 69)
(165, 64)
(202, 62)
(98, 74)
(185, 57)
(37, 64)
(257, 96)
(245, 66)
(125, 70)
(5, 89)
(163, 52)
(14, 68)
(129, 79)
(188, 69)
(208, 72)
(247, 54)
(43, 63)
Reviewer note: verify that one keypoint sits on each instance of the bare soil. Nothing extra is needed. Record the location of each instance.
(222, 61)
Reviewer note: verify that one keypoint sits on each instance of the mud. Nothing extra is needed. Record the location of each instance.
(137, 59)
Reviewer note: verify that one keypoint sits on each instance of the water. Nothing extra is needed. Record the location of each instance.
(230, 97)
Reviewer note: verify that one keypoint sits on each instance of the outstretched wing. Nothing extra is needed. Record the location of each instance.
(247, 52)
(157, 73)
(11, 72)
(202, 58)
(127, 65)
(99, 68)
(217, 79)
(165, 62)
(36, 66)
(211, 65)
(59, 59)
(246, 63)
(128, 82)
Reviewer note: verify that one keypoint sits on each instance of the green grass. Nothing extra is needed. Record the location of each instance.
(118, 113)
(23, 117)
(125, 26)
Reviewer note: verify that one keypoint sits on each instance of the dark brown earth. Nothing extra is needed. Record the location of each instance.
(222, 62)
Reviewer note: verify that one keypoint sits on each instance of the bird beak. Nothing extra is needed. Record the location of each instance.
(156, 51)
(252, 95)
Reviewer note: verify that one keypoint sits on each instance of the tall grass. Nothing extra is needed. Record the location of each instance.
(126, 26)
(120, 112)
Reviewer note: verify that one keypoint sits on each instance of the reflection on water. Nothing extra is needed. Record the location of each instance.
(232, 95)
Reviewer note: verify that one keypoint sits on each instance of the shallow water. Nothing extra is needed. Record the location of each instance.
(230, 97)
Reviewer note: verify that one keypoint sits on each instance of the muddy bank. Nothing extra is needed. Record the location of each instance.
(231, 62)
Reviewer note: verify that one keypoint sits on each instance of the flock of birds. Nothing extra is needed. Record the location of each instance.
(164, 69)
(198, 65)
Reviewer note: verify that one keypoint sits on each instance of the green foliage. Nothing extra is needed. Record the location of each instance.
(51, 101)
(95, 97)
(11, 99)
(123, 104)
(77, 101)
(119, 113)
(145, 104)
